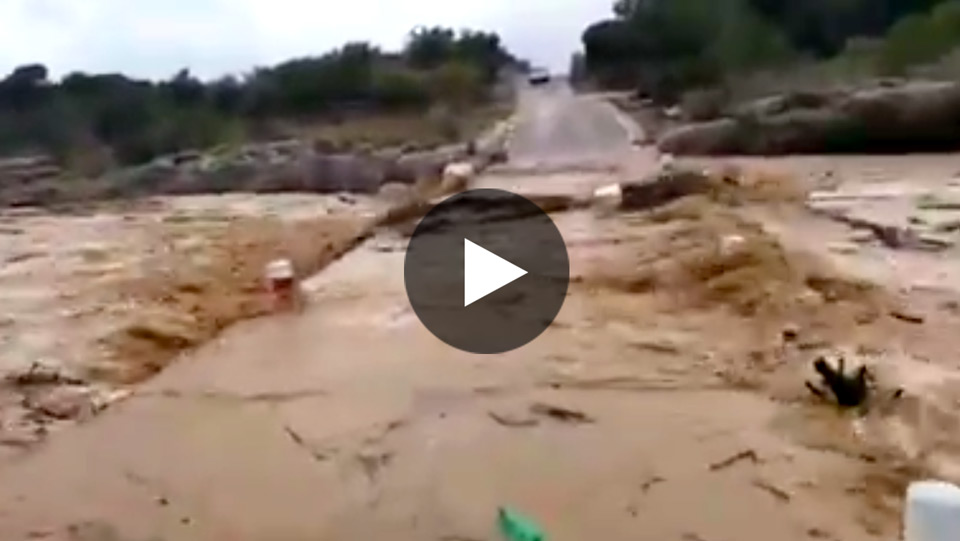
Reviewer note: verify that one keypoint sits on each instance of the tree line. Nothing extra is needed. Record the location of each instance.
(667, 46)
(133, 120)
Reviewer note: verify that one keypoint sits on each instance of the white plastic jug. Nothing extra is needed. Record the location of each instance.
(611, 194)
(932, 512)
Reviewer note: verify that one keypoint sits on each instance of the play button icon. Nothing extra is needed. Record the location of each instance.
(486, 271)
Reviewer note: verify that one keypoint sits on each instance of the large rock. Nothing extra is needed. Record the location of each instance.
(285, 177)
(417, 166)
(663, 188)
(344, 173)
(704, 138)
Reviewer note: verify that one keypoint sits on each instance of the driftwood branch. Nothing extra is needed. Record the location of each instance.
(848, 390)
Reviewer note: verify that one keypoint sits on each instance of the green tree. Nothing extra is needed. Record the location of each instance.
(456, 84)
(428, 48)
(400, 88)
(913, 40)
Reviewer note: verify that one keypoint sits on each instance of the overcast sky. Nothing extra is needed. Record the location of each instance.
(155, 38)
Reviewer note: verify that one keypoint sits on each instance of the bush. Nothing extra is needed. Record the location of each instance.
(138, 120)
(456, 84)
(400, 89)
(667, 47)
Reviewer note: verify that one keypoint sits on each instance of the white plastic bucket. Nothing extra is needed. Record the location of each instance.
(282, 284)
(611, 194)
(932, 512)
(279, 269)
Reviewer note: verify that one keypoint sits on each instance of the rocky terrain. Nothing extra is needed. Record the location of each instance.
(889, 116)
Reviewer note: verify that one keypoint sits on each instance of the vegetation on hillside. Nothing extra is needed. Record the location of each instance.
(665, 47)
(111, 118)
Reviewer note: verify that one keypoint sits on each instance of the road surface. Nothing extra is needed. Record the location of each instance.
(555, 129)
(352, 422)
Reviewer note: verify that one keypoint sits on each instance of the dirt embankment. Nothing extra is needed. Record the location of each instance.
(105, 298)
(103, 295)
(889, 117)
(358, 157)
(763, 308)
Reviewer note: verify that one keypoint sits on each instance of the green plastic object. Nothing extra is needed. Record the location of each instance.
(516, 527)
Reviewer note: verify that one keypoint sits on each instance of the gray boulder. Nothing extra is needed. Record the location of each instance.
(344, 173)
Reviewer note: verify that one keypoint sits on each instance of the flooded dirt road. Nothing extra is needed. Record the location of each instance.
(625, 420)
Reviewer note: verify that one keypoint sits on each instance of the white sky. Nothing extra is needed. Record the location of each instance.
(156, 38)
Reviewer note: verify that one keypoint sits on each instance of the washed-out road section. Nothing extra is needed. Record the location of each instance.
(352, 421)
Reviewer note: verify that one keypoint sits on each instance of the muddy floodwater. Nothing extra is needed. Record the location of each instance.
(668, 400)
(108, 295)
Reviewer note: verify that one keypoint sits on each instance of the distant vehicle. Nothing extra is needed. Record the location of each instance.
(539, 77)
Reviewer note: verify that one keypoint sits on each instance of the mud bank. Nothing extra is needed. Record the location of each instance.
(106, 298)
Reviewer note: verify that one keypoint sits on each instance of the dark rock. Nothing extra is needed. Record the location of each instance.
(344, 172)
(706, 138)
(662, 189)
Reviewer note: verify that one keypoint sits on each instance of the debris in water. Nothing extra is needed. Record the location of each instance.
(907, 316)
(373, 461)
(790, 333)
(516, 527)
(649, 483)
(40, 374)
(777, 492)
(512, 421)
(748, 454)
(931, 511)
(559, 413)
(302, 443)
(283, 285)
(62, 403)
(849, 390)
(817, 533)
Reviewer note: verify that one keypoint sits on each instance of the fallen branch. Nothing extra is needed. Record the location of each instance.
(848, 390)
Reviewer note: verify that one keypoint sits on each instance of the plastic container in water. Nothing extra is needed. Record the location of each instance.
(609, 196)
(932, 512)
(282, 284)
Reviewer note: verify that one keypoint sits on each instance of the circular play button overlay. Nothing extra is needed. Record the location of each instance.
(486, 271)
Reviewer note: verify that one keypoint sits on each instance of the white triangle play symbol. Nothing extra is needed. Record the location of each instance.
(485, 272)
